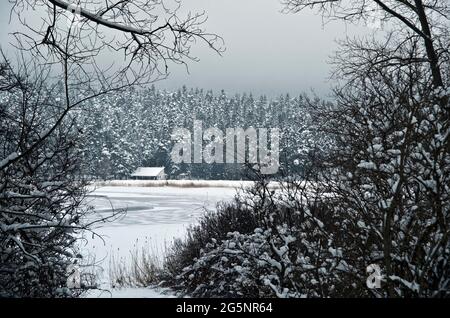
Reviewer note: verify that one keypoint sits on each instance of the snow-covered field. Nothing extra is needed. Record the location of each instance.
(176, 183)
(154, 217)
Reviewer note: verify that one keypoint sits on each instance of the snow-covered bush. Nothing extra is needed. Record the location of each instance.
(230, 217)
(392, 181)
(41, 190)
(243, 266)
(389, 173)
(248, 265)
(288, 253)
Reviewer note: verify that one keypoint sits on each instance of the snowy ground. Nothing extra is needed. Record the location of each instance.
(177, 183)
(155, 215)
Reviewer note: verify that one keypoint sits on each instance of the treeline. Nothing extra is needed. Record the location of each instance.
(133, 128)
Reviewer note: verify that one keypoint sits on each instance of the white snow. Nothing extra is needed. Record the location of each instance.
(177, 183)
(11, 157)
(154, 214)
(367, 165)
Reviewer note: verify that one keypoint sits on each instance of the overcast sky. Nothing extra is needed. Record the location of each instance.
(267, 52)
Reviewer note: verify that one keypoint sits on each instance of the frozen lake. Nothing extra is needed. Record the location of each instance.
(154, 216)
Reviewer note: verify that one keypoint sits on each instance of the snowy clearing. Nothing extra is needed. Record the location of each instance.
(154, 217)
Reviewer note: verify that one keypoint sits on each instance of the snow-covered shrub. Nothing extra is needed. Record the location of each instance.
(288, 253)
(248, 265)
(232, 216)
(243, 265)
(41, 190)
(392, 181)
(390, 170)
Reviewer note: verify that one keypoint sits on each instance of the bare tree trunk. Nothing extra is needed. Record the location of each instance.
(431, 52)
